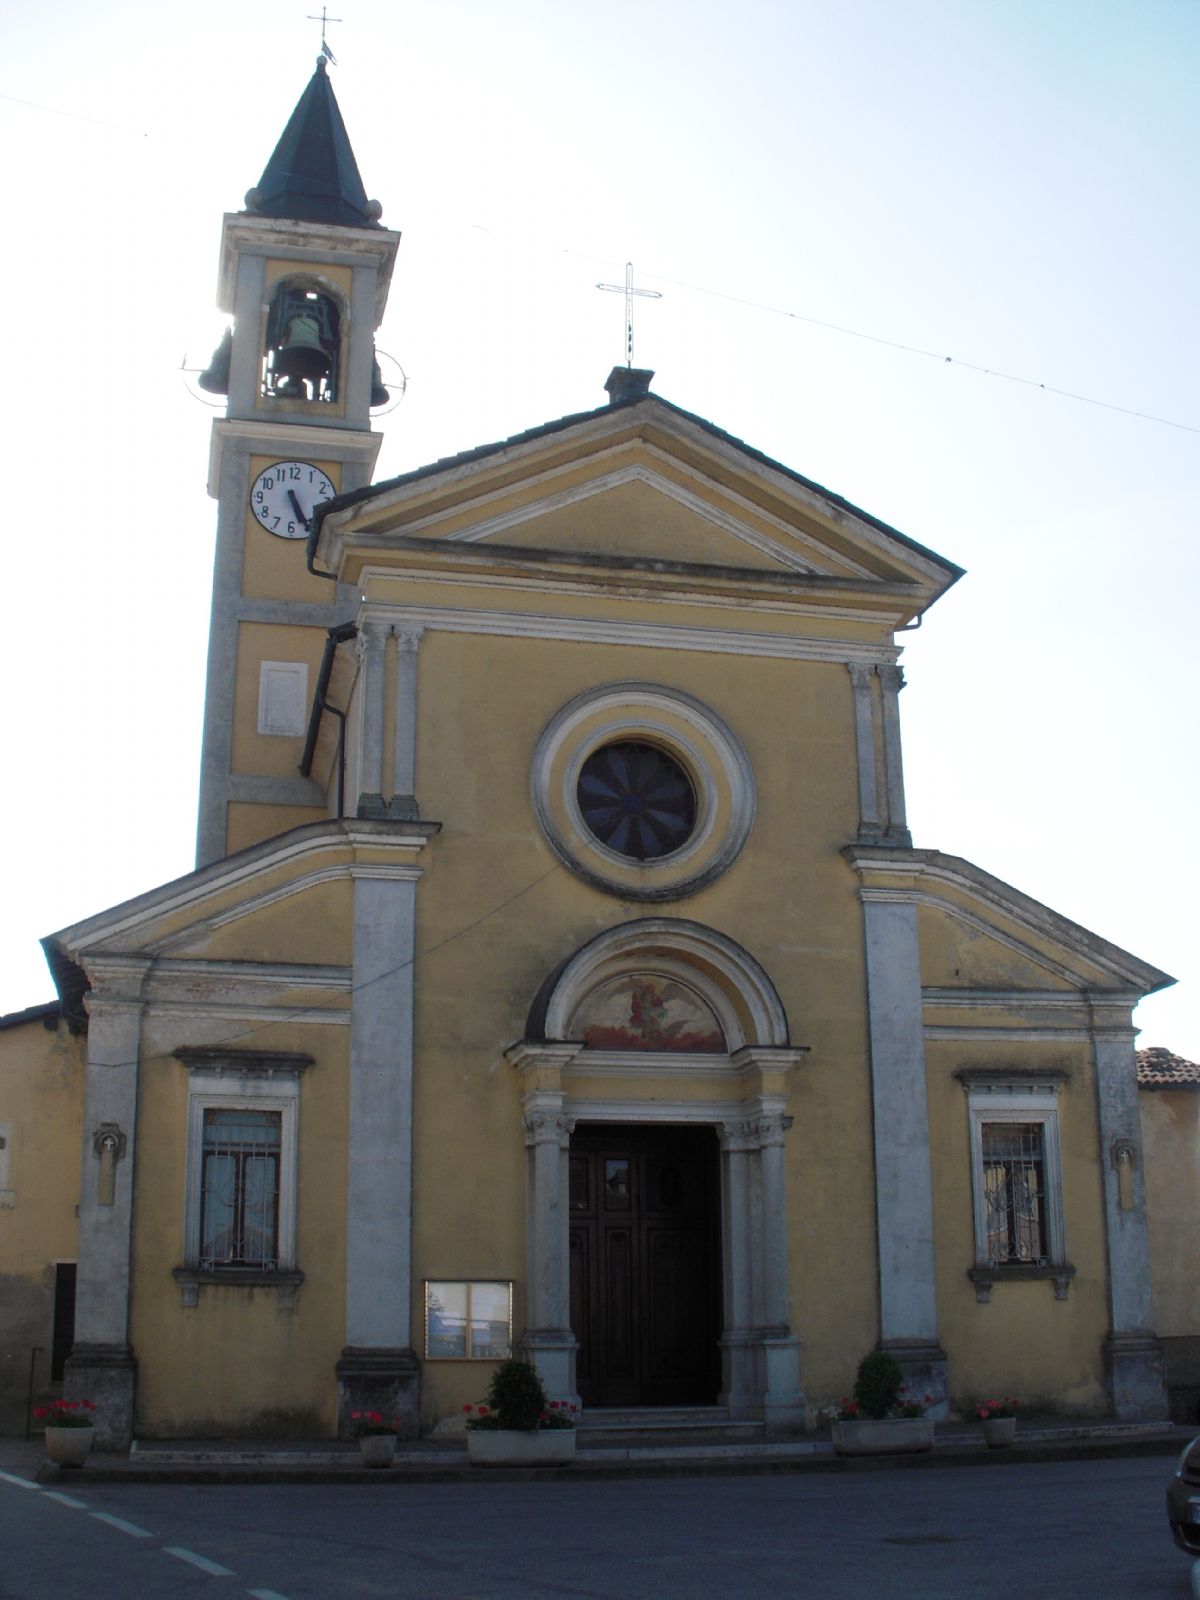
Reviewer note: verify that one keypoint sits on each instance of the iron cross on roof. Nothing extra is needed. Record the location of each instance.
(629, 291)
(323, 19)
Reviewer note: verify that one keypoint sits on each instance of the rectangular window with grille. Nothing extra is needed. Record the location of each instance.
(1014, 1193)
(239, 1189)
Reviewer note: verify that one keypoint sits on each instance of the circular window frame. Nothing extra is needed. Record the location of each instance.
(687, 731)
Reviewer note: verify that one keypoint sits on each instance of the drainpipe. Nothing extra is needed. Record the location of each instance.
(335, 636)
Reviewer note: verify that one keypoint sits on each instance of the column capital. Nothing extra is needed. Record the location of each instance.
(407, 636)
(892, 678)
(548, 1127)
(861, 673)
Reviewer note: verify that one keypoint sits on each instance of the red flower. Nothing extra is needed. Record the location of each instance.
(483, 1411)
(355, 1415)
(468, 1408)
(41, 1411)
(554, 1404)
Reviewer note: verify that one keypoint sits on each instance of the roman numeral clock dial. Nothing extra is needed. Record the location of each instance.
(285, 495)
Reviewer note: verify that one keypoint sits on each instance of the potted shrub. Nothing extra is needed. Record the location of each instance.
(518, 1426)
(69, 1430)
(881, 1418)
(999, 1421)
(376, 1438)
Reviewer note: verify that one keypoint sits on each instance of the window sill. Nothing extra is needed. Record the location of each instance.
(191, 1280)
(985, 1278)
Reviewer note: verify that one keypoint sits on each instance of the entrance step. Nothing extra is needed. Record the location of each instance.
(659, 1425)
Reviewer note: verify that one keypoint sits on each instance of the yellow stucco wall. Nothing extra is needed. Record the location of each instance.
(41, 1120)
(237, 1362)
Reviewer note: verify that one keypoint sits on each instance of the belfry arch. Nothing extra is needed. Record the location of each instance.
(665, 1021)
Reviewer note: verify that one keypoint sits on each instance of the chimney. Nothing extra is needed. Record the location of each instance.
(628, 383)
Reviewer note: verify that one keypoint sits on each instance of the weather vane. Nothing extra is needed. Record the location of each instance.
(629, 291)
(323, 19)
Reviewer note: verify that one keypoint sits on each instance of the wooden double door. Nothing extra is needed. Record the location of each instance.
(645, 1264)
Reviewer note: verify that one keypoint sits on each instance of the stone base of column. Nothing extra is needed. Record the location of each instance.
(739, 1374)
(923, 1363)
(379, 1379)
(552, 1352)
(105, 1374)
(1136, 1376)
(399, 808)
(782, 1408)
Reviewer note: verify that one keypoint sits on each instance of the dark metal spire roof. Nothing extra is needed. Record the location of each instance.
(313, 176)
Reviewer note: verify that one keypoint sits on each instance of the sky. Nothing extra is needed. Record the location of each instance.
(893, 240)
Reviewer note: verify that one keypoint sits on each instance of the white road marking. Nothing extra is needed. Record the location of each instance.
(119, 1522)
(21, 1483)
(66, 1500)
(266, 1594)
(202, 1562)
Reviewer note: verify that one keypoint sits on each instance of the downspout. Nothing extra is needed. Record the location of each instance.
(335, 636)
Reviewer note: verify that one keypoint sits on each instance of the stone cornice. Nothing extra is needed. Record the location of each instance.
(928, 877)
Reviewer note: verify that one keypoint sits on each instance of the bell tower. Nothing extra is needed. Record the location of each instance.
(304, 275)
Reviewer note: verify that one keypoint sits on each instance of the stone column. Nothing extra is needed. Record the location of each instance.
(101, 1366)
(1134, 1355)
(404, 746)
(782, 1403)
(372, 644)
(739, 1344)
(903, 1180)
(869, 827)
(378, 1369)
(892, 681)
(548, 1342)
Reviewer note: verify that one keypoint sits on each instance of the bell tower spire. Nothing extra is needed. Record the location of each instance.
(304, 276)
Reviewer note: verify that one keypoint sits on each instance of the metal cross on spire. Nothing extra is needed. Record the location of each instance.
(323, 19)
(629, 291)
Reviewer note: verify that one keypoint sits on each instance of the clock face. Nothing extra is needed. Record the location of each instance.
(285, 495)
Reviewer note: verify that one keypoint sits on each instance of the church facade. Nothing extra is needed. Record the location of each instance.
(559, 974)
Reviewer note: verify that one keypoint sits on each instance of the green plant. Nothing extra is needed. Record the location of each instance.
(66, 1414)
(878, 1385)
(516, 1400)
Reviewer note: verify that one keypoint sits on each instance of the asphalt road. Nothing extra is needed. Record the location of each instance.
(1086, 1529)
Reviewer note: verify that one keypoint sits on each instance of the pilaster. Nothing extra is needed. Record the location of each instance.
(102, 1367)
(372, 644)
(1133, 1354)
(891, 680)
(903, 1177)
(378, 1370)
(404, 741)
(862, 677)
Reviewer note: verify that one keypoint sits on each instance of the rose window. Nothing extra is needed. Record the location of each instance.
(637, 800)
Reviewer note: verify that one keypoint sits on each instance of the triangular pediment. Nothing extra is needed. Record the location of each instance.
(632, 483)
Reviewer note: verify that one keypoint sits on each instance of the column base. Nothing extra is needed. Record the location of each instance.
(379, 1379)
(105, 1374)
(552, 1352)
(761, 1378)
(1136, 1376)
(923, 1363)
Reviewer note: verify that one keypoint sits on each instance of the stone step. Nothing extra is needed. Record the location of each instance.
(663, 1424)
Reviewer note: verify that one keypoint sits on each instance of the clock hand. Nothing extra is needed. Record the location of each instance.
(296, 507)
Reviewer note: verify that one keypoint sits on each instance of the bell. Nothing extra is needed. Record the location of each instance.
(215, 377)
(379, 395)
(302, 355)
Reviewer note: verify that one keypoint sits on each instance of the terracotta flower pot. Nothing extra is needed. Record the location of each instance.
(378, 1449)
(887, 1436)
(999, 1431)
(511, 1447)
(69, 1447)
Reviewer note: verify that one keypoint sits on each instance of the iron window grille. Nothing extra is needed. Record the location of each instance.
(1014, 1193)
(239, 1189)
(637, 800)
